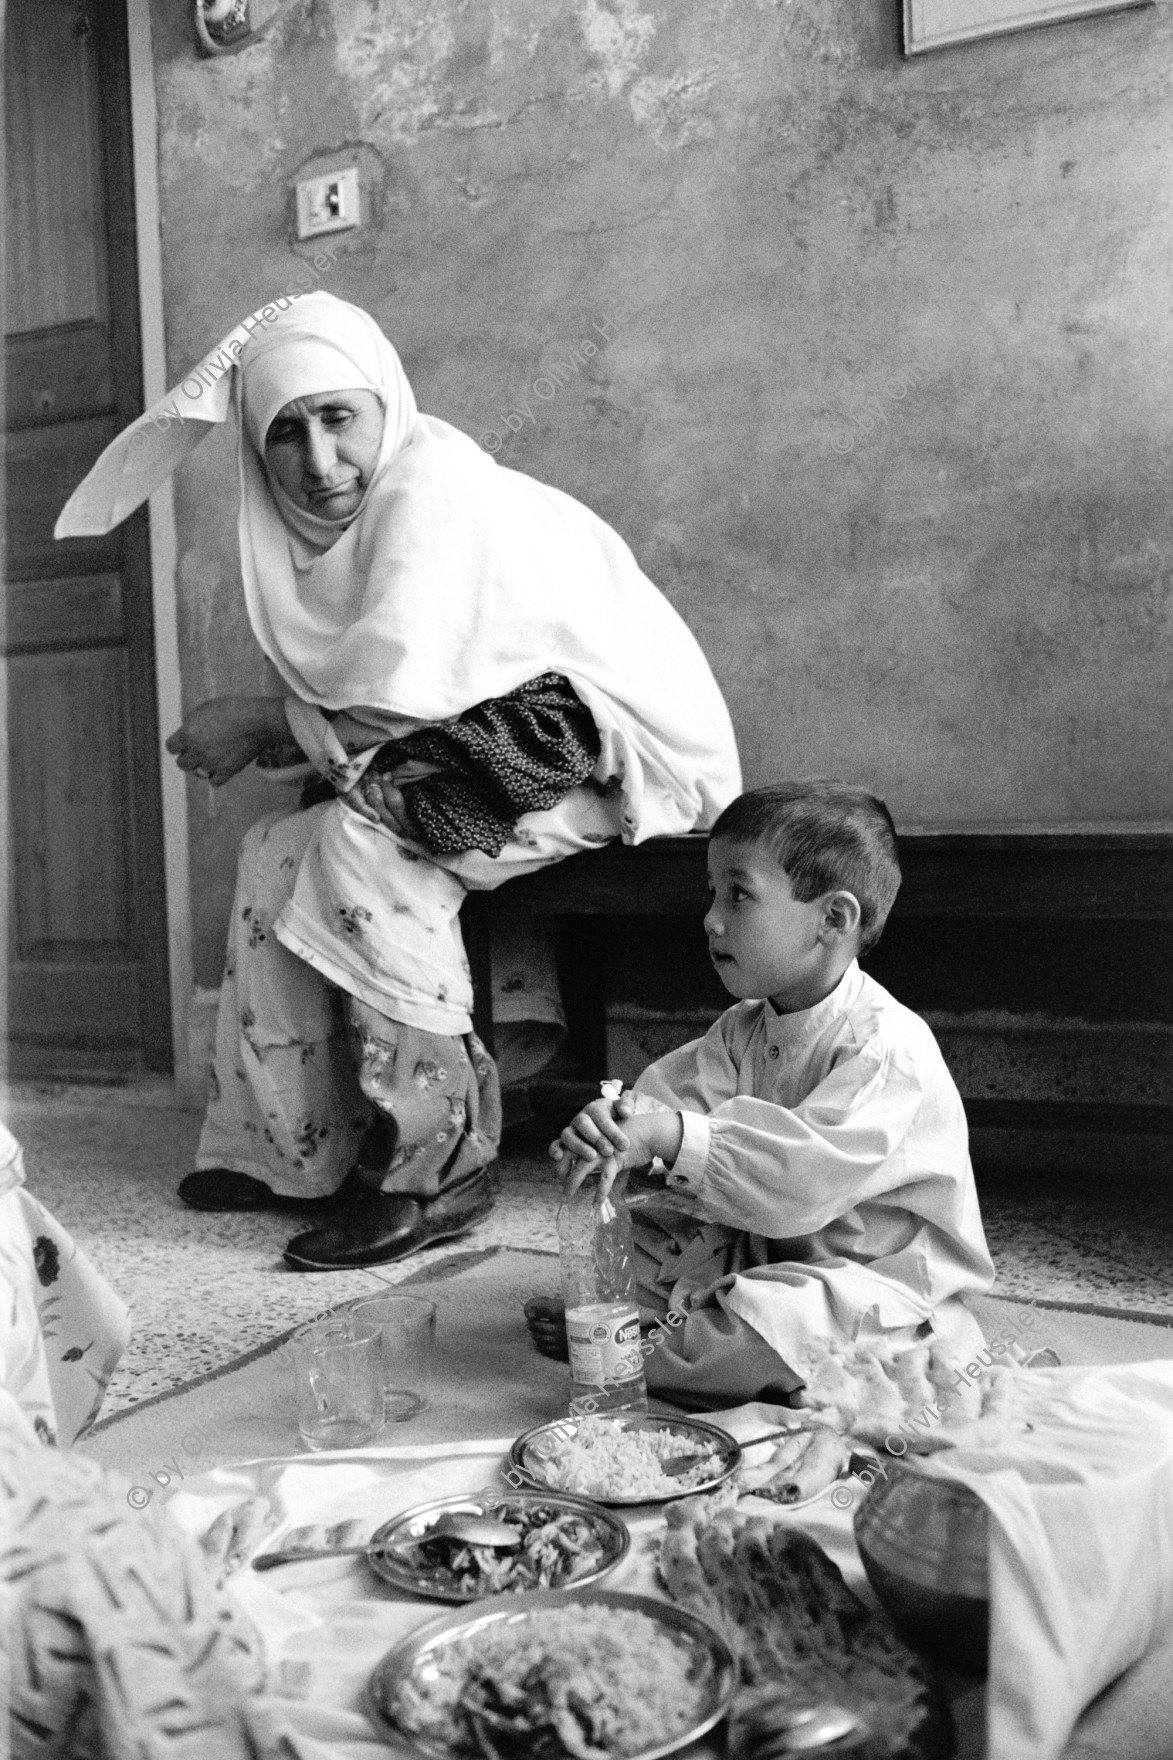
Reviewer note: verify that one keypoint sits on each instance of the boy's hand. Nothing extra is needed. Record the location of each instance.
(595, 1138)
(608, 1137)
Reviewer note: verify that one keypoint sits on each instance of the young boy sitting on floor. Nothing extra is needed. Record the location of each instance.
(810, 1177)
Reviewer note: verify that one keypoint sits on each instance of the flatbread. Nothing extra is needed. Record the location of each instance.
(230, 1540)
(798, 1632)
(926, 1394)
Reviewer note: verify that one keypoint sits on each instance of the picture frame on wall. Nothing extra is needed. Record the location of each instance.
(937, 24)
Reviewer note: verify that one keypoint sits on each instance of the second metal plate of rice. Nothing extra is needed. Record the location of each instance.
(534, 1452)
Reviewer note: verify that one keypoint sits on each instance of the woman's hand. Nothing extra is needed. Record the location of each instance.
(609, 1137)
(219, 737)
(380, 802)
(379, 797)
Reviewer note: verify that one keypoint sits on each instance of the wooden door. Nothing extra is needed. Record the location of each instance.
(87, 942)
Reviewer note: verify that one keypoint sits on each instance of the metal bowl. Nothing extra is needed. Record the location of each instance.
(411, 1659)
(530, 1450)
(414, 1523)
(924, 1546)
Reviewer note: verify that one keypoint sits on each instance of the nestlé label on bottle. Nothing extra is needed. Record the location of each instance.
(604, 1348)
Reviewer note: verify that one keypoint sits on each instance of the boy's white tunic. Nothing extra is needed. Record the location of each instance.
(824, 1187)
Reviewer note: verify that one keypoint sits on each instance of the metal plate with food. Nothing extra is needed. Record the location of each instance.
(554, 1675)
(562, 1541)
(618, 1458)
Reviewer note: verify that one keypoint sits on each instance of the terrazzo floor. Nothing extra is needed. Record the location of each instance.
(204, 1288)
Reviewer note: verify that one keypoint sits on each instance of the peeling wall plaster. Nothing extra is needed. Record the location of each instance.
(890, 418)
(618, 37)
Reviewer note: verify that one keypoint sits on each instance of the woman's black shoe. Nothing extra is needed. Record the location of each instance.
(378, 1227)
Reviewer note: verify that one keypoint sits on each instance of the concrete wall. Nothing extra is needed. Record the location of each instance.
(889, 416)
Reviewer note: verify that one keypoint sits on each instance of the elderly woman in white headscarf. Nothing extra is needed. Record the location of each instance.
(485, 681)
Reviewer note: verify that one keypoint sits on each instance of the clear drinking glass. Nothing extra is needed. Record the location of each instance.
(338, 1367)
(408, 1327)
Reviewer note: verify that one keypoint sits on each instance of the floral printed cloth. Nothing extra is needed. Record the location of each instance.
(329, 908)
(437, 1099)
(62, 1328)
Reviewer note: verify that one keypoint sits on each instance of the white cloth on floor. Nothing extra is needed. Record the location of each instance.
(1081, 1565)
(826, 1155)
(62, 1328)
(327, 1624)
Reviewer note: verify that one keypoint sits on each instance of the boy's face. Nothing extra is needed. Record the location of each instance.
(762, 940)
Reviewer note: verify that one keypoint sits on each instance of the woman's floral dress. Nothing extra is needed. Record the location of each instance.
(345, 1009)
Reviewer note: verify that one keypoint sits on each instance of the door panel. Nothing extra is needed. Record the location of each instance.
(43, 466)
(82, 1024)
(84, 609)
(54, 375)
(70, 787)
(87, 922)
(55, 270)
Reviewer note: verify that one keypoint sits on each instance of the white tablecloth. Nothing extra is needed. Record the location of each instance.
(328, 1624)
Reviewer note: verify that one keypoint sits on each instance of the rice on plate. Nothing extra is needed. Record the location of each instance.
(584, 1681)
(601, 1460)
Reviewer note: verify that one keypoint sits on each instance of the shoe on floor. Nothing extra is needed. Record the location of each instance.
(219, 1188)
(378, 1227)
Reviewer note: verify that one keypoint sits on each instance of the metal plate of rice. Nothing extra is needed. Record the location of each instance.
(532, 1453)
(607, 1530)
(431, 1657)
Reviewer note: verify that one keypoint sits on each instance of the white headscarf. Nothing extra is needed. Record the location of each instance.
(458, 580)
(355, 356)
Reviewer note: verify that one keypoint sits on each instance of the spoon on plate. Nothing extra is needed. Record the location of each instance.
(675, 1465)
(809, 1730)
(473, 1530)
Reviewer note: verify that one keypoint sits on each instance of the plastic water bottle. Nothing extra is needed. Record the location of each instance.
(602, 1315)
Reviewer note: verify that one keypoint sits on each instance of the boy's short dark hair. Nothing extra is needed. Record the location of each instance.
(825, 835)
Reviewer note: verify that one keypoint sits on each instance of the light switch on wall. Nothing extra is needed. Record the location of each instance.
(329, 203)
